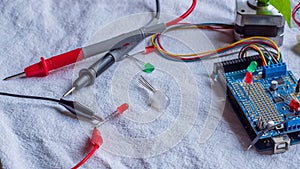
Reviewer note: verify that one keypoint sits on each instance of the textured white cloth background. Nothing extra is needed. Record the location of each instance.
(35, 134)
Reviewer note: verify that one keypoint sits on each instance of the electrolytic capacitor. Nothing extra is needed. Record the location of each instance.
(274, 85)
(271, 124)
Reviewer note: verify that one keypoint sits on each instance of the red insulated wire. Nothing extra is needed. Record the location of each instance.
(294, 12)
(245, 50)
(87, 157)
(183, 16)
(250, 42)
(158, 41)
(187, 59)
(97, 141)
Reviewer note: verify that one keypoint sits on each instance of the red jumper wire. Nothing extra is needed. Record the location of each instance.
(96, 138)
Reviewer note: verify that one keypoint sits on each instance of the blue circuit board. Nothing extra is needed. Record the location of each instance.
(257, 100)
(258, 105)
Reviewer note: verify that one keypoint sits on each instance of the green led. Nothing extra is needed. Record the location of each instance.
(148, 68)
(253, 65)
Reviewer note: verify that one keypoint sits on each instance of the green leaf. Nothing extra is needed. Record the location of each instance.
(284, 7)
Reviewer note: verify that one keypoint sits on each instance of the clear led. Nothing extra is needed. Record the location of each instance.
(158, 100)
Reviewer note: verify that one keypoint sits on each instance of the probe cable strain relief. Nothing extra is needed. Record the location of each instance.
(39, 69)
(43, 67)
(96, 138)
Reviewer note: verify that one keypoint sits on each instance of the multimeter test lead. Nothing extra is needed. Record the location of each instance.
(43, 67)
(96, 138)
(87, 76)
(120, 50)
(73, 107)
(79, 110)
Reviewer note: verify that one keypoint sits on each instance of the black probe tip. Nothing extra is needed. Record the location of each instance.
(14, 76)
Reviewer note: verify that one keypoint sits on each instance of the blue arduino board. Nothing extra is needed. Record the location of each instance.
(264, 103)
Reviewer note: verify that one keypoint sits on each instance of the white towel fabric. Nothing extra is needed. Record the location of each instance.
(188, 134)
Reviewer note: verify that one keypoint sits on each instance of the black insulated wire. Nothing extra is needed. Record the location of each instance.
(269, 53)
(157, 15)
(29, 97)
(72, 106)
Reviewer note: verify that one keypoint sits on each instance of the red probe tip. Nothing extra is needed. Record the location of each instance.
(96, 138)
(122, 108)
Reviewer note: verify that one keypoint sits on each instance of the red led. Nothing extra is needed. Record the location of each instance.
(122, 108)
(248, 77)
(294, 105)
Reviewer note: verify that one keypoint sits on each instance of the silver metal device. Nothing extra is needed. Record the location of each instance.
(281, 144)
(255, 19)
